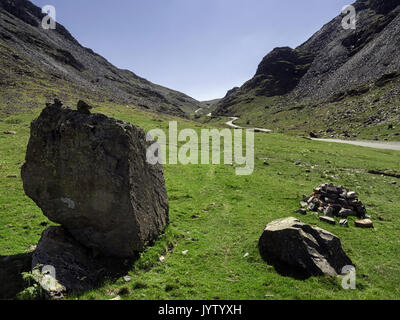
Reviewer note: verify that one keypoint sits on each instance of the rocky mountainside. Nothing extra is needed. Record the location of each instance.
(344, 82)
(34, 62)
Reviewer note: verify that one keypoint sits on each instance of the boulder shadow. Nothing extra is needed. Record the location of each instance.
(12, 268)
(284, 269)
(11, 278)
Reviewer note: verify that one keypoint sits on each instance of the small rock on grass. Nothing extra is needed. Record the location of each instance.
(185, 252)
(10, 132)
(344, 223)
(347, 213)
(127, 278)
(365, 223)
(312, 207)
(117, 298)
(329, 212)
(303, 204)
(302, 211)
(351, 195)
(328, 220)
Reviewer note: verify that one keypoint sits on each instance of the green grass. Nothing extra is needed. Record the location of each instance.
(218, 217)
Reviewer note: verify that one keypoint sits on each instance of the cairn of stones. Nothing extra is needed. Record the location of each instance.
(332, 201)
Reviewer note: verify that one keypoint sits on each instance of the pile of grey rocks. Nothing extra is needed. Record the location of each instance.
(332, 201)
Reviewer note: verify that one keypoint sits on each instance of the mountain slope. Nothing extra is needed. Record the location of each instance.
(31, 58)
(340, 81)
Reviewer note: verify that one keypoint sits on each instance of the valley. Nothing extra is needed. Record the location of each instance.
(326, 122)
(218, 216)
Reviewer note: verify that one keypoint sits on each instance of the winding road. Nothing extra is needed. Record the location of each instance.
(233, 119)
(368, 144)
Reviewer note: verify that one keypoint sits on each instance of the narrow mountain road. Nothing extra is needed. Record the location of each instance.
(231, 123)
(233, 119)
(368, 144)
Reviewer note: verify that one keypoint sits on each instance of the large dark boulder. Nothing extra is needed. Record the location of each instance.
(89, 173)
(311, 251)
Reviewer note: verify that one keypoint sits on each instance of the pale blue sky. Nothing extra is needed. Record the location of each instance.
(200, 47)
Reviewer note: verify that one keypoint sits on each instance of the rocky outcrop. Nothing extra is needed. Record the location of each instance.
(279, 72)
(311, 251)
(89, 173)
(316, 82)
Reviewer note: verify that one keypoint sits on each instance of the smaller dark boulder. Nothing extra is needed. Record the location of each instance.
(75, 269)
(302, 249)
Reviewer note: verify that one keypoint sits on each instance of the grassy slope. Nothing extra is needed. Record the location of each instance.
(219, 217)
(21, 79)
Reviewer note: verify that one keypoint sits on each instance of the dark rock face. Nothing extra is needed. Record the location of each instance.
(72, 262)
(383, 6)
(72, 266)
(313, 251)
(89, 173)
(232, 91)
(280, 71)
(24, 10)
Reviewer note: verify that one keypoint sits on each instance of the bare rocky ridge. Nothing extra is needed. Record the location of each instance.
(60, 56)
(334, 64)
(89, 173)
